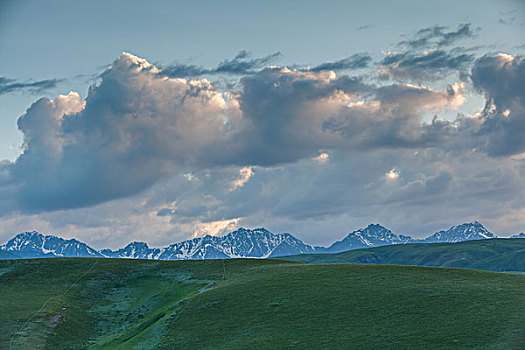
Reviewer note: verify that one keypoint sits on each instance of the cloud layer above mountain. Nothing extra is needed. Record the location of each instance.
(354, 138)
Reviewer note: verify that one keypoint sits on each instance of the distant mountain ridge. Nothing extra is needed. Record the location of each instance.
(36, 245)
(373, 235)
(460, 233)
(242, 243)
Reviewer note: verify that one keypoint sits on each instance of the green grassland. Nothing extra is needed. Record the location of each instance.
(488, 254)
(80, 303)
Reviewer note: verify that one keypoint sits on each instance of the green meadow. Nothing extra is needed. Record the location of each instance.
(80, 303)
(501, 254)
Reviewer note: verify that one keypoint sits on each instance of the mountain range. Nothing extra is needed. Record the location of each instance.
(36, 245)
(242, 243)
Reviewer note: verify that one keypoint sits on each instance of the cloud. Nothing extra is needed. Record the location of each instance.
(241, 64)
(284, 111)
(134, 128)
(507, 21)
(316, 203)
(322, 157)
(159, 154)
(428, 66)
(215, 228)
(508, 17)
(138, 127)
(356, 61)
(244, 176)
(420, 188)
(392, 175)
(501, 78)
(363, 27)
(172, 157)
(437, 36)
(10, 85)
(391, 118)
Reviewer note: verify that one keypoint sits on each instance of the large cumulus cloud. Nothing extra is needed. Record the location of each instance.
(132, 129)
(138, 126)
(283, 145)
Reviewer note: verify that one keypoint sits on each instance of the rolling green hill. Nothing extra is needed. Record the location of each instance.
(87, 303)
(487, 254)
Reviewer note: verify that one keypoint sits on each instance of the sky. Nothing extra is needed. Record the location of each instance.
(161, 121)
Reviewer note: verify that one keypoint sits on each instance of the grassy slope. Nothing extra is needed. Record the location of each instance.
(492, 255)
(255, 304)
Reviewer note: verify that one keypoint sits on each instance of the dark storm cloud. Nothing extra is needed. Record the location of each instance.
(357, 61)
(10, 85)
(433, 65)
(241, 64)
(501, 78)
(438, 36)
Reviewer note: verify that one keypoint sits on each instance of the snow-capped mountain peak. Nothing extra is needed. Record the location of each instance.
(464, 232)
(371, 236)
(35, 245)
(134, 250)
(242, 243)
